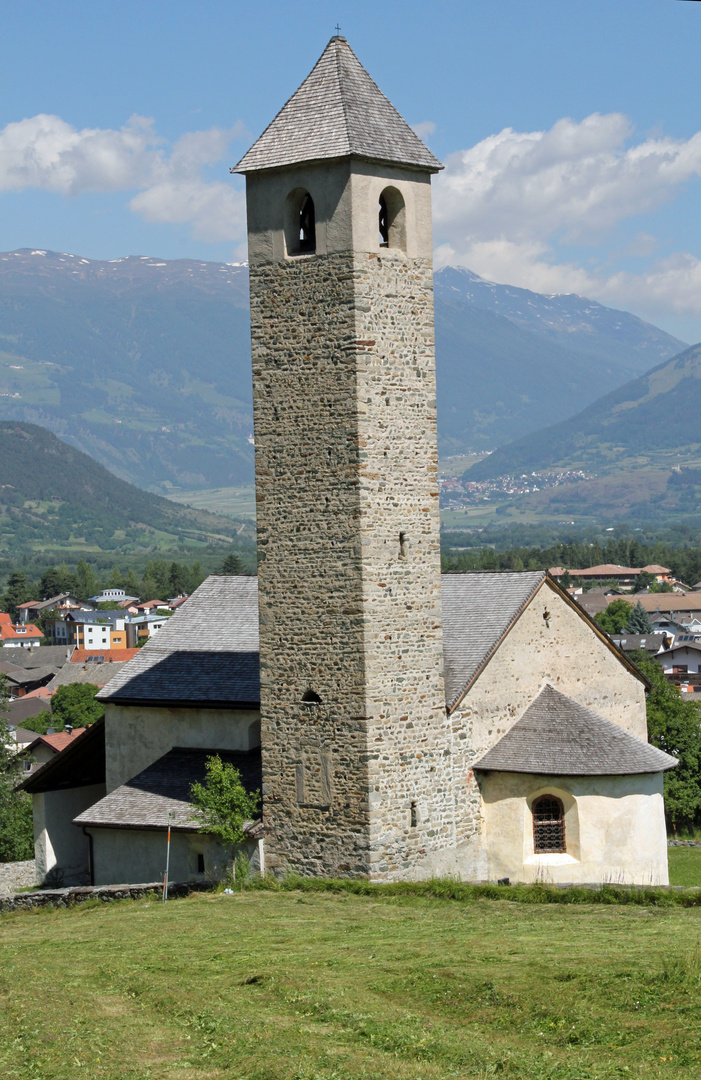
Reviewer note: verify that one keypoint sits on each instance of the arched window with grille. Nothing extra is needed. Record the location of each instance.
(548, 825)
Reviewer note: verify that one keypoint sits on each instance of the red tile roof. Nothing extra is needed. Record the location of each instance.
(110, 656)
(41, 691)
(60, 739)
(10, 631)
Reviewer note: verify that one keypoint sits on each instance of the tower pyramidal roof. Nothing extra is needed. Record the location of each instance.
(337, 112)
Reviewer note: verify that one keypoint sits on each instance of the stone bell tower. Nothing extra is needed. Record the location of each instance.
(355, 741)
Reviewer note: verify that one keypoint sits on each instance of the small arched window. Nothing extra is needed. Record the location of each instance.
(307, 226)
(384, 223)
(392, 219)
(300, 223)
(548, 825)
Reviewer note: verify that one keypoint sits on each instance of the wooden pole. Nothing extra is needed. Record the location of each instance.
(165, 878)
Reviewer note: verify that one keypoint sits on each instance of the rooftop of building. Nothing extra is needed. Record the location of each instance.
(557, 736)
(10, 631)
(102, 656)
(80, 763)
(57, 740)
(159, 796)
(208, 652)
(610, 570)
(337, 112)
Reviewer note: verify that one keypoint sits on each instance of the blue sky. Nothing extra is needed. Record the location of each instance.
(570, 130)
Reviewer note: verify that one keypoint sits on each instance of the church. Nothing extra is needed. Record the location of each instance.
(400, 724)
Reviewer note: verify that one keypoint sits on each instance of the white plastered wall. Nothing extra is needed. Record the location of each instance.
(346, 198)
(614, 829)
(58, 843)
(563, 650)
(138, 735)
(138, 856)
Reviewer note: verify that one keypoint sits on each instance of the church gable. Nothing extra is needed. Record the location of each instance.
(549, 642)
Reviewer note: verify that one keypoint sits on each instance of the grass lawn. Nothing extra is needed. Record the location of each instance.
(684, 866)
(324, 986)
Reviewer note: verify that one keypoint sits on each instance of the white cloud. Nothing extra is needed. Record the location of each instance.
(503, 208)
(424, 129)
(216, 211)
(46, 152)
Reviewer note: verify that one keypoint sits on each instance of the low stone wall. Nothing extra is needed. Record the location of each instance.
(105, 893)
(684, 843)
(17, 875)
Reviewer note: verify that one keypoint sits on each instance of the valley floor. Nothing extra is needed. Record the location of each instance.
(321, 986)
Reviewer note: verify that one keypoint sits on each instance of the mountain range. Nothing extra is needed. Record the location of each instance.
(642, 442)
(654, 419)
(144, 363)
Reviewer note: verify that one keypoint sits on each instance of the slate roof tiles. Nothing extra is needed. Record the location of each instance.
(338, 111)
(557, 736)
(206, 652)
(163, 789)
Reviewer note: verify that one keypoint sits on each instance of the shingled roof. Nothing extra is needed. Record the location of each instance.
(207, 652)
(160, 795)
(557, 736)
(337, 112)
(478, 611)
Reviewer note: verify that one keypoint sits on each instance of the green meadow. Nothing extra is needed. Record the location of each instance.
(336, 983)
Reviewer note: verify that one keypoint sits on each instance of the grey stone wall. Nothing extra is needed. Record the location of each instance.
(349, 582)
(17, 875)
(64, 898)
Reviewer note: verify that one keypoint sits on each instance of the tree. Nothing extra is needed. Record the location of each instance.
(17, 592)
(131, 585)
(674, 725)
(224, 804)
(75, 704)
(149, 589)
(644, 580)
(614, 619)
(639, 621)
(16, 827)
(86, 584)
(177, 579)
(232, 565)
(116, 579)
(51, 583)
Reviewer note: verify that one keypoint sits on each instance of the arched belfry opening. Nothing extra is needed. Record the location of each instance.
(392, 219)
(300, 223)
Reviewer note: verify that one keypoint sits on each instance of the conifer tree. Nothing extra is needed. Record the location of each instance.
(639, 621)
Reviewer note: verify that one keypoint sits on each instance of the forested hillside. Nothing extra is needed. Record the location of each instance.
(653, 420)
(54, 495)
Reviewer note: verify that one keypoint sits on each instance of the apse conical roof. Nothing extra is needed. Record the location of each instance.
(557, 736)
(337, 112)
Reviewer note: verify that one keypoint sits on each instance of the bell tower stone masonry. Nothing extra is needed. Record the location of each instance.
(356, 743)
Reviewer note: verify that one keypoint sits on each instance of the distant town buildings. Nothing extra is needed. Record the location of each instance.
(626, 577)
